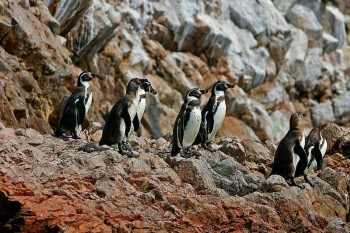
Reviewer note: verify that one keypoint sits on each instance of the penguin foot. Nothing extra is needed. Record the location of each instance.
(306, 178)
(75, 135)
(124, 150)
(292, 183)
(208, 147)
(126, 146)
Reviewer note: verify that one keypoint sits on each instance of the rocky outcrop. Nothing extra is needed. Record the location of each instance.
(283, 55)
(50, 185)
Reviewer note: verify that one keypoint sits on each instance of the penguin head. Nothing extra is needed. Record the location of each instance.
(147, 86)
(221, 86)
(195, 93)
(133, 85)
(85, 77)
(295, 120)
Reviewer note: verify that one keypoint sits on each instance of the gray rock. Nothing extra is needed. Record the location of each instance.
(330, 43)
(196, 173)
(305, 19)
(274, 183)
(284, 5)
(338, 180)
(297, 49)
(341, 105)
(308, 72)
(235, 150)
(322, 113)
(334, 21)
(258, 17)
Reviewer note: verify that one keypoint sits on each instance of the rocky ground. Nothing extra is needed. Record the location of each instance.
(284, 55)
(51, 185)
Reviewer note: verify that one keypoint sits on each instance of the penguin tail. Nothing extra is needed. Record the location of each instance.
(59, 132)
(175, 150)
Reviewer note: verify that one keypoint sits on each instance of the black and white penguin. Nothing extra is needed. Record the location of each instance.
(188, 121)
(315, 148)
(291, 150)
(119, 121)
(145, 87)
(213, 114)
(77, 106)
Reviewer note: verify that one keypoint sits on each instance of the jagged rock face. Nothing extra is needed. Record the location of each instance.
(50, 185)
(284, 56)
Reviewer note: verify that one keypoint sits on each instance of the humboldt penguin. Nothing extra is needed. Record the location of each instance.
(315, 148)
(119, 121)
(77, 106)
(291, 150)
(188, 121)
(145, 87)
(213, 114)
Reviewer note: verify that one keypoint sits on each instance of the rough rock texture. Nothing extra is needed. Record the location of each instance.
(284, 56)
(51, 185)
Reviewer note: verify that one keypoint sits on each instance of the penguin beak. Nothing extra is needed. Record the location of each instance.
(228, 85)
(203, 91)
(154, 92)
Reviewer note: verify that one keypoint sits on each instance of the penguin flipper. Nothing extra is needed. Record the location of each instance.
(125, 115)
(79, 104)
(299, 150)
(318, 155)
(175, 149)
(137, 126)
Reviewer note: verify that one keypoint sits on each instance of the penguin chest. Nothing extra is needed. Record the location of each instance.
(323, 146)
(192, 128)
(132, 110)
(88, 103)
(295, 156)
(311, 162)
(218, 118)
(141, 108)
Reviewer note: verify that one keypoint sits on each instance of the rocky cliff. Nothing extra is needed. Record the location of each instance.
(51, 185)
(284, 55)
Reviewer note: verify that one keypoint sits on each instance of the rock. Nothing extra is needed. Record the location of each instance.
(330, 43)
(269, 20)
(305, 19)
(331, 132)
(297, 49)
(233, 126)
(196, 173)
(322, 113)
(335, 23)
(342, 145)
(256, 152)
(308, 72)
(337, 180)
(274, 183)
(341, 106)
(235, 150)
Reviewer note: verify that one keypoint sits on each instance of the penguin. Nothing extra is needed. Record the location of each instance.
(213, 115)
(291, 150)
(315, 148)
(188, 122)
(119, 121)
(145, 87)
(77, 106)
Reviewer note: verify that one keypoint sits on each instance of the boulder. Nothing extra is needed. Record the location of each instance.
(322, 113)
(196, 173)
(305, 19)
(334, 21)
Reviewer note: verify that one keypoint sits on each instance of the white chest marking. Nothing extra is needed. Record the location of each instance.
(218, 119)
(192, 128)
(295, 156)
(141, 108)
(88, 104)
